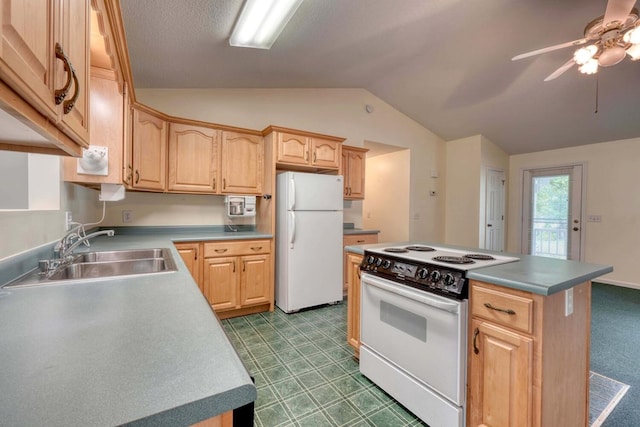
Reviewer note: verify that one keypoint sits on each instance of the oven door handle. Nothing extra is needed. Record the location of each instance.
(451, 307)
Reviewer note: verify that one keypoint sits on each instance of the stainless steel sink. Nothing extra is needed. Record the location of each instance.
(96, 265)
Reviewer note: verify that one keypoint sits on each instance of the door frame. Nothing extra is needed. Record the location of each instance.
(524, 241)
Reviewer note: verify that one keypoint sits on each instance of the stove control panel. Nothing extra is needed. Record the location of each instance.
(444, 280)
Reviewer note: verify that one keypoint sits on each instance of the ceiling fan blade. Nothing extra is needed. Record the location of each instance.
(549, 49)
(618, 10)
(560, 70)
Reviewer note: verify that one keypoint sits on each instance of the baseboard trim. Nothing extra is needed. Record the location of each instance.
(618, 283)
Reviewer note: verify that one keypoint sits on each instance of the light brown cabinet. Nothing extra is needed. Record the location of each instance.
(353, 299)
(528, 362)
(300, 150)
(107, 117)
(242, 164)
(44, 58)
(355, 240)
(353, 170)
(235, 276)
(193, 159)
(149, 146)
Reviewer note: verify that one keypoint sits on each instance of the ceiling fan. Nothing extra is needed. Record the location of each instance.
(609, 39)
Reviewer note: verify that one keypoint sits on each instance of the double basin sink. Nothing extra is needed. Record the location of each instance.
(104, 264)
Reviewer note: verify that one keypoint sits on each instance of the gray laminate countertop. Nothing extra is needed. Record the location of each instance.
(138, 350)
(356, 231)
(539, 275)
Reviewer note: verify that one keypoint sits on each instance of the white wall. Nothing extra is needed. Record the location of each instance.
(613, 174)
(386, 206)
(339, 112)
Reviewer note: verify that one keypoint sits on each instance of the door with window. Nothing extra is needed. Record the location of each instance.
(552, 212)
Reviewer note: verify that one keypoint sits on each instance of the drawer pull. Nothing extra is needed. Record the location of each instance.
(360, 241)
(503, 310)
(220, 251)
(256, 248)
(476, 350)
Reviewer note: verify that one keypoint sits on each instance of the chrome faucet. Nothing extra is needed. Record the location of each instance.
(65, 252)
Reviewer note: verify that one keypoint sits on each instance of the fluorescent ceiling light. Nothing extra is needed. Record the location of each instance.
(261, 22)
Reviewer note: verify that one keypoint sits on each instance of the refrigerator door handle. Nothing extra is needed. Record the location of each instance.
(292, 231)
(292, 195)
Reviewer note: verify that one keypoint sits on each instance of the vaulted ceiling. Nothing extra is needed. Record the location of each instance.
(444, 63)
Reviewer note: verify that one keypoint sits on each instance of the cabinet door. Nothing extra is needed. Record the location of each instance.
(293, 149)
(190, 254)
(500, 376)
(353, 301)
(254, 280)
(242, 163)
(27, 51)
(220, 282)
(149, 151)
(193, 159)
(326, 154)
(74, 38)
(355, 179)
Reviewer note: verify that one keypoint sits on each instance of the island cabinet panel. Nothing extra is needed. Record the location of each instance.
(528, 358)
(149, 151)
(222, 420)
(193, 159)
(220, 282)
(353, 300)
(355, 240)
(501, 371)
(191, 254)
(254, 280)
(242, 163)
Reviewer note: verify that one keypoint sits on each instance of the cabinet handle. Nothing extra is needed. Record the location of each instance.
(196, 257)
(234, 266)
(244, 265)
(256, 248)
(214, 183)
(68, 105)
(314, 157)
(224, 183)
(349, 191)
(61, 94)
(306, 156)
(137, 176)
(476, 350)
(359, 276)
(359, 241)
(502, 310)
(220, 251)
(129, 173)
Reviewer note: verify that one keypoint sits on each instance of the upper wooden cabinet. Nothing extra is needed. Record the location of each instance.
(242, 166)
(353, 167)
(44, 58)
(149, 151)
(193, 159)
(300, 150)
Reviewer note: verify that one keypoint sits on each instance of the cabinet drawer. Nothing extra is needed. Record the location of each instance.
(236, 247)
(359, 239)
(513, 311)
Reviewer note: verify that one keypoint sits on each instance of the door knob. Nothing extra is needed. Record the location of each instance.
(575, 229)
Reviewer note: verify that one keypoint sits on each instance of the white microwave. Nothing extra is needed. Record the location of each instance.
(240, 206)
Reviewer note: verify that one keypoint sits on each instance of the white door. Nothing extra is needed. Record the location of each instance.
(552, 212)
(494, 210)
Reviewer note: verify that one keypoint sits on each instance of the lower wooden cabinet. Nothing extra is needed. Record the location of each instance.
(353, 301)
(528, 360)
(222, 420)
(355, 240)
(235, 276)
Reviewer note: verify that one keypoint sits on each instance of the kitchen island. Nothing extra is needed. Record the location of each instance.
(137, 350)
(527, 338)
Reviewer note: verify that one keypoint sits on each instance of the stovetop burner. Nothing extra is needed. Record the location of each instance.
(454, 259)
(479, 257)
(396, 250)
(419, 248)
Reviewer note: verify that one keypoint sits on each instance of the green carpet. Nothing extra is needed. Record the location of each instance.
(615, 346)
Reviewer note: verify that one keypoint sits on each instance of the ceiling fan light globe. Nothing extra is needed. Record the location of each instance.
(634, 52)
(632, 36)
(589, 67)
(584, 54)
(611, 56)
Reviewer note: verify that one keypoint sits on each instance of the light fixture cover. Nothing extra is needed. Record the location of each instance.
(582, 55)
(589, 67)
(634, 52)
(611, 56)
(261, 22)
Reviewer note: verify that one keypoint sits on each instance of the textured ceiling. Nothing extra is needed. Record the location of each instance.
(444, 63)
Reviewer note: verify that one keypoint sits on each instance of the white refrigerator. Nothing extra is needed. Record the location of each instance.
(308, 240)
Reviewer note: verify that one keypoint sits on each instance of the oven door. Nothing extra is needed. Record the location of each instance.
(420, 333)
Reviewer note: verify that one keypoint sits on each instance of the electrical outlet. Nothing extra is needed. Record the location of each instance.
(127, 216)
(568, 302)
(67, 220)
(594, 218)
